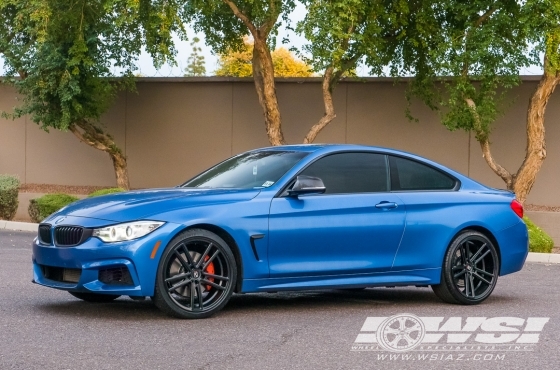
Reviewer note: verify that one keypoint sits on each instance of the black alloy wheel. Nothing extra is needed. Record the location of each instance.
(95, 297)
(196, 275)
(470, 270)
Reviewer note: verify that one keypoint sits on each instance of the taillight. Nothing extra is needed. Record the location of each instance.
(517, 208)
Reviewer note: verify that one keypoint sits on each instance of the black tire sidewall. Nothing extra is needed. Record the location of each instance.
(162, 299)
(448, 264)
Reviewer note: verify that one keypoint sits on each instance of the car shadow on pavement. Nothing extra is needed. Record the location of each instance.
(331, 298)
(126, 309)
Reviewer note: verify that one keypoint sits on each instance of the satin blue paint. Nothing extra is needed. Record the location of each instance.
(310, 242)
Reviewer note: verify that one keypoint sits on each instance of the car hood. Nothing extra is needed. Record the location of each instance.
(142, 204)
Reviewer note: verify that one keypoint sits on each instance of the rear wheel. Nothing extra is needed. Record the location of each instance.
(94, 297)
(470, 270)
(196, 275)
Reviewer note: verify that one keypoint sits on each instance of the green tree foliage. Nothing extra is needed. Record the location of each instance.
(196, 65)
(481, 46)
(225, 22)
(60, 55)
(343, 32)
(239, 63)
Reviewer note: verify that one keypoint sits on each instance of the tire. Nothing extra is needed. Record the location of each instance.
(95, 297)
(196, 275)
(470, 270)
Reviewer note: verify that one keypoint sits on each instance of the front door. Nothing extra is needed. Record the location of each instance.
(355, 227)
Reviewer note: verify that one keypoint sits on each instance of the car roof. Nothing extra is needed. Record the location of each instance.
(333, 147)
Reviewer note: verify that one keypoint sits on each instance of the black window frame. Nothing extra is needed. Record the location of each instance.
(283, 192)
(456, 186)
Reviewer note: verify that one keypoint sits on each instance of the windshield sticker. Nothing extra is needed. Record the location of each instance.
(268, 183)
(254, 170)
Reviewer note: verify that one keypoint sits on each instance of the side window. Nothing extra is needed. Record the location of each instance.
(411, 175)
(351, 172)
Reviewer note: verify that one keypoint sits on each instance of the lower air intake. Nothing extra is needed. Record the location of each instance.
(115, 276)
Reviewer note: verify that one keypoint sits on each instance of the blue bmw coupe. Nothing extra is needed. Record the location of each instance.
(287, 218)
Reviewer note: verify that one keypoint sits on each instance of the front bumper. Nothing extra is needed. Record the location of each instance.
(85, 267)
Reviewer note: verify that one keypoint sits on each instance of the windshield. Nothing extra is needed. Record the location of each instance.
(247, 171)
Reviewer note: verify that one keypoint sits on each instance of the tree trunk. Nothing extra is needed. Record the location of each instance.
(95, 137)
(329, 108)
(263, 74)
(523, 180)
(482, 138)
(535, 153)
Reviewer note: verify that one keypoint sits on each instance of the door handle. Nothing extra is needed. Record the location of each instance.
(386, 205)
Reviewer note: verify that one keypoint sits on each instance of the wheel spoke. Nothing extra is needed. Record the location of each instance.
(183, 246)
(463, 251)
(484, 272)
(210, 260)
(481, 278)
(192, 296)
(472, 285)
(467, 288)
(391, 330)
(208, 282)
(462, 272)
(413, 328)
(482, 257)
(177, 277)
(409, 340)
(177, 286)
(182, 260)
(203, 256)
(200, 298)
(474, 256)
(395, 341)
(219, 277)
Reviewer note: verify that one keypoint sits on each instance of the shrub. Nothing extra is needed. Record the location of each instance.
(43, 207)
(9, 188)
(105, 192)
(539, 240)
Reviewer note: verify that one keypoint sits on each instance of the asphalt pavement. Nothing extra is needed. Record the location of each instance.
(518, 327)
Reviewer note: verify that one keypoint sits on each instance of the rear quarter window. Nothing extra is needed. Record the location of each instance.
(407, 174)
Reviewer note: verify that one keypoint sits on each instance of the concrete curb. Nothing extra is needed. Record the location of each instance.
(27, 226)
(20, 226)
(543, 257)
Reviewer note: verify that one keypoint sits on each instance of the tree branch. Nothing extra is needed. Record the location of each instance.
(239, 14)
(329, 108)
(485, 16)
(482, 139)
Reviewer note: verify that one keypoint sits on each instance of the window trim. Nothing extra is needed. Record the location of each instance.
(456, 187)
(283, 192)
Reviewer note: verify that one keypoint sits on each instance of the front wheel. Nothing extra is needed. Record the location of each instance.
(470, 270)
(196, 275)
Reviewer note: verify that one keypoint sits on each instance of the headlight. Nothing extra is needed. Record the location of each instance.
(127, 231)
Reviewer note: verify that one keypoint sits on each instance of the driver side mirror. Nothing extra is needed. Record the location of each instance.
(307, 185)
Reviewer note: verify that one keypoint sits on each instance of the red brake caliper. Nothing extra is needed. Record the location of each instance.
(210, 270)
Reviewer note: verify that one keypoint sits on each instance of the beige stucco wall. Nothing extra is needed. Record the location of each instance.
(171, 129)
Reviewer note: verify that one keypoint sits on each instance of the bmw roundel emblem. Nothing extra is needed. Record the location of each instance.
(60, 220)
